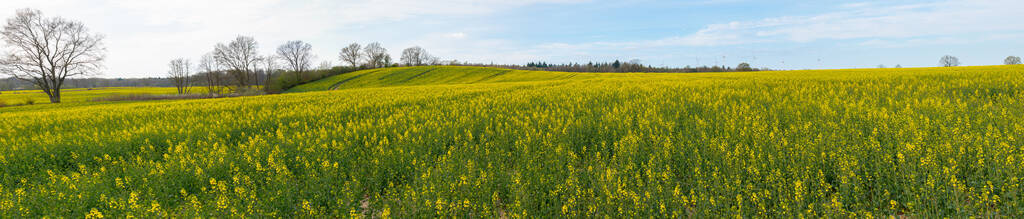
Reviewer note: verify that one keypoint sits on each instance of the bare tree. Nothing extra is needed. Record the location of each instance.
(1012, 60)
(269, 66)
(376, 55)
(47, 50)
(181, 74)
(434, 60)
(211, 70)
(240, 58)
(297, 57)
(414, 56)
(325, 65)
(351, 54)
(949, 61)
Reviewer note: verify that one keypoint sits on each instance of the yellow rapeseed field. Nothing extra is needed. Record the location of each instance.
(76, 95)
(922, 142)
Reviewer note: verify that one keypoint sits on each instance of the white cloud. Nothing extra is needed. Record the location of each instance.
(459, 35)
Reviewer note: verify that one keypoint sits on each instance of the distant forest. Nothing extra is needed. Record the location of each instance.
(616, 66)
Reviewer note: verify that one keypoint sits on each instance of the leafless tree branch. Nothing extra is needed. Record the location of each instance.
(351, 54)
(298, 57)
(181, 74)
(240, 58)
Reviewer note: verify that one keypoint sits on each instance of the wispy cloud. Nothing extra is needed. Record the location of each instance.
(458, 35)
(870, 21)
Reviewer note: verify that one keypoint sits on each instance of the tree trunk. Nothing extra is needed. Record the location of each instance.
(55, 96)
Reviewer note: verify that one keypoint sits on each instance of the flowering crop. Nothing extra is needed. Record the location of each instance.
(931, 142)
(75, 95)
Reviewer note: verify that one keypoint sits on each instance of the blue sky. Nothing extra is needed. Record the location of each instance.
(142, 36)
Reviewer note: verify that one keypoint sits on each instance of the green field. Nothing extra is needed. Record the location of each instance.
(409, 76)
(482, 142)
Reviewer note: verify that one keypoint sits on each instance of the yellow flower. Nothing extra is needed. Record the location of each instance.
(94, 214)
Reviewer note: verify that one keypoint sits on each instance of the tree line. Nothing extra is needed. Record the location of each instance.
(634, 65)
(237, 65)
(953, 61)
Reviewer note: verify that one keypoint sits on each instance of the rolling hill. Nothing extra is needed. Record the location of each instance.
(432, 75)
